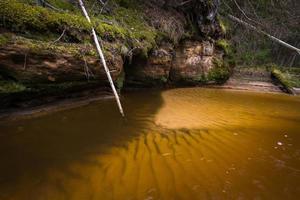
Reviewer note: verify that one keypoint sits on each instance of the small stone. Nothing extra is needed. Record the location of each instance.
(166, 154)
(280, 143)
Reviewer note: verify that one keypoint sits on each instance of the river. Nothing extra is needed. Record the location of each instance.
(187, 143)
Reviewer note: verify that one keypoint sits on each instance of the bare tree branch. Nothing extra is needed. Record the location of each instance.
(101, 55)
(243, 12)
(233, 18)
(63, 33)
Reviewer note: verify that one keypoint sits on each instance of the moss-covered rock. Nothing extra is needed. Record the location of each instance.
(220, 73)
(283, 80)
(192, 63)
(224, 45)
(152, 70)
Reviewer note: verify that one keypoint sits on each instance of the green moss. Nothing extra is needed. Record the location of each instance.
(224, 45)
(11, 87)
(225, 27)
(282, 79)
(291, 76)
(134, 27)
(220, 73)
(111, 32)
(3, 39)
(164, 79)
(230, 55)
(22, 18)
(62, 4)
(125, 25)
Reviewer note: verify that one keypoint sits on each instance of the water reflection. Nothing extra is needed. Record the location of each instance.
(179, 144)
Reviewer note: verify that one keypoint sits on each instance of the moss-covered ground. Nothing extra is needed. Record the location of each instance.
(125, 24)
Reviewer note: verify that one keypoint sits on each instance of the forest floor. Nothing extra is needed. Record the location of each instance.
(252, 79)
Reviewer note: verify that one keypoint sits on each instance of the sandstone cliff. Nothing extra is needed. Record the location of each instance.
(147, 44)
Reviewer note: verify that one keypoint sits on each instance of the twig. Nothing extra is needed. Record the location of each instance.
(51, 6)
(185, 2)
(25, 61)
(130, 54)
(104, 5)
(101, 2)
(63, 33)
(87, 71)
(243, 12)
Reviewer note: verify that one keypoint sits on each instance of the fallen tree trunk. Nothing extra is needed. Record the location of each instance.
(235, 19)
(101, 55)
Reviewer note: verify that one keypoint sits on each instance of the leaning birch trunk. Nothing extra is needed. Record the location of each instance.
(100, 52)
(233, 18)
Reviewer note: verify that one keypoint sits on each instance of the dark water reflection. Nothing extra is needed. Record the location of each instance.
(177, 144)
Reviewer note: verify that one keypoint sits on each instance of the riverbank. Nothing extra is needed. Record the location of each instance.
(243, 79)
(52, 105)
(256, 79)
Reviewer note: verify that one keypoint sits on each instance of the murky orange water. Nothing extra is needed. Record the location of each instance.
(176, 144)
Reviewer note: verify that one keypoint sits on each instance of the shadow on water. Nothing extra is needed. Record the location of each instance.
(28, 149)
(177, 144)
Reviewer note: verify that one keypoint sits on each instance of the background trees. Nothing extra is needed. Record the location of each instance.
(278, 17)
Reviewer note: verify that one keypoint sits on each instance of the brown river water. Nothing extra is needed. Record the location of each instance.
(186, 144)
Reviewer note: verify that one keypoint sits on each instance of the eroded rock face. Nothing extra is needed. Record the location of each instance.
(189, 64)
(192, 62)
(151, 71)
(22, 64)
(36, 73)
